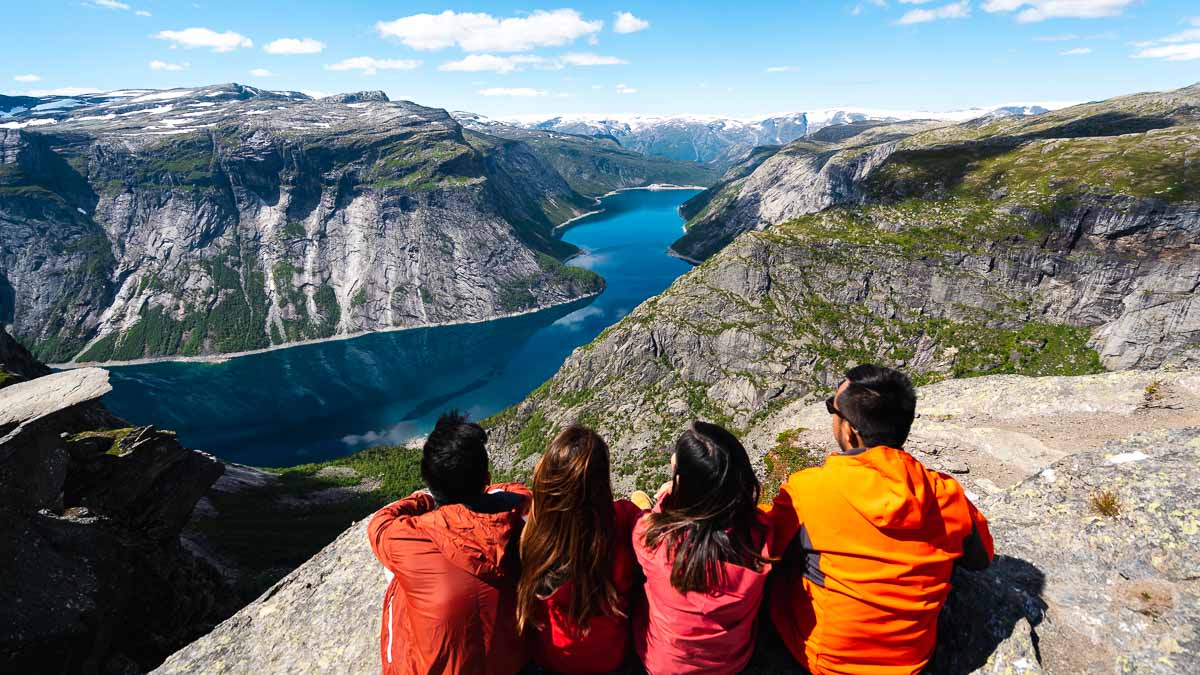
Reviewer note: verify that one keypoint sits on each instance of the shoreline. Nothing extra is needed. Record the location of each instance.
(655, 187)
(214, 359)
(222, 358)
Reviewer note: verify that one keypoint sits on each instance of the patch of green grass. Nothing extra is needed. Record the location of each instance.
(115, 437)
(267, 538)
(788, 456)
(533, 436)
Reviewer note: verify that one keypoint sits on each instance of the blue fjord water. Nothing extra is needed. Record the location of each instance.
(319, 401)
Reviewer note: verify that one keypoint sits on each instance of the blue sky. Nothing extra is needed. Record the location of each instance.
(730, 58)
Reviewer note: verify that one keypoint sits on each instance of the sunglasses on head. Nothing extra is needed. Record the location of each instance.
(829, 405)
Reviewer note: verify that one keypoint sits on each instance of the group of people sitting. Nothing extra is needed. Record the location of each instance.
(850, 564)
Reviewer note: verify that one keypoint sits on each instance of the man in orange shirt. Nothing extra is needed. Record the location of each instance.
(872, 538)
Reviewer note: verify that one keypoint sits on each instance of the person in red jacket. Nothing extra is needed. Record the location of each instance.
(871, 539)
(450, 606)
(579, 573)
(705, 553)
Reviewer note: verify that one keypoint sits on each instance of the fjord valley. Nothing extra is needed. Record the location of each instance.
(226, 219)
(1036, 275)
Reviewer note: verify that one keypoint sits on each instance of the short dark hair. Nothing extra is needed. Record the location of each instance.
(880, 404)
(454, 462)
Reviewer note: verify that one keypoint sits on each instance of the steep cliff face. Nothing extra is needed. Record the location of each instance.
(90, 515)
(1096, 149)
(225, 219)
(1053, 256)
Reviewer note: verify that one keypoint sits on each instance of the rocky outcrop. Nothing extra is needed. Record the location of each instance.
(322, 618)
(227, 219)
(1066, 576)
(90, 515)
(1099, 568)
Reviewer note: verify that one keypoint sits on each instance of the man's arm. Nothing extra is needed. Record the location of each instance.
(978, 547)
(377, 530)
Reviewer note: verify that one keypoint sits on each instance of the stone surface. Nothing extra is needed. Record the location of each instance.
(90, 515)
(322, 618)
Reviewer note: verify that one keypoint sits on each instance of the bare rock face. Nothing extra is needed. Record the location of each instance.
(90, 515)
(224, 219)
(1099, 567)
(322, 618)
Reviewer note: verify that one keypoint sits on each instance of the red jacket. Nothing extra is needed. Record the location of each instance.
(560, 646)
(712, 633)
(450, 607)
(874, 537)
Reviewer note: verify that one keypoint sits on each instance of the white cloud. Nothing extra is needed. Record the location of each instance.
(589, 59)
(514, 91)
(477, 32)
(314, 93)
(142, 12)
(779, 69)
(628, 23)
(163, 65)
(478, 63)
(294, 46)
(1078, 51)
(1176, 52)
(1181, 46)
(192, 38)
(1032, 11)
(109, 4)
(29, 77)
(261, 72)
(954, 10)
(623, 89)
(369, 65)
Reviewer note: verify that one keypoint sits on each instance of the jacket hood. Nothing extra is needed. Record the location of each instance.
(886, 486)
(477, 543)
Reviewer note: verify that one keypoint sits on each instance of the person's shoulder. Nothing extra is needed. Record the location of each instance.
(625, 508)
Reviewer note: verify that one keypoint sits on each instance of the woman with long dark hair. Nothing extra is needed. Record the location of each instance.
(704, 551)
(578, 567)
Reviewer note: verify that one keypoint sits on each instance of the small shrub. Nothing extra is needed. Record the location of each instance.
(1106, 503)
(1153, 392)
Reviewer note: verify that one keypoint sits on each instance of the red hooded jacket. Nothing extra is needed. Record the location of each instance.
(560, 645)
(450, 606)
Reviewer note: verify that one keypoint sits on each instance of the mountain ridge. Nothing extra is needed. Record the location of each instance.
(226, 219)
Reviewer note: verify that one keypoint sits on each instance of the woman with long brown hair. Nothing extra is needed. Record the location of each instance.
(578, 567)
(704, 551)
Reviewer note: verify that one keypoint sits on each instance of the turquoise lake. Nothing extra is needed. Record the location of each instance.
(315, 402)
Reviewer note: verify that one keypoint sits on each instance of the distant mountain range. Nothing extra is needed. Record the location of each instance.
(723, 140)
